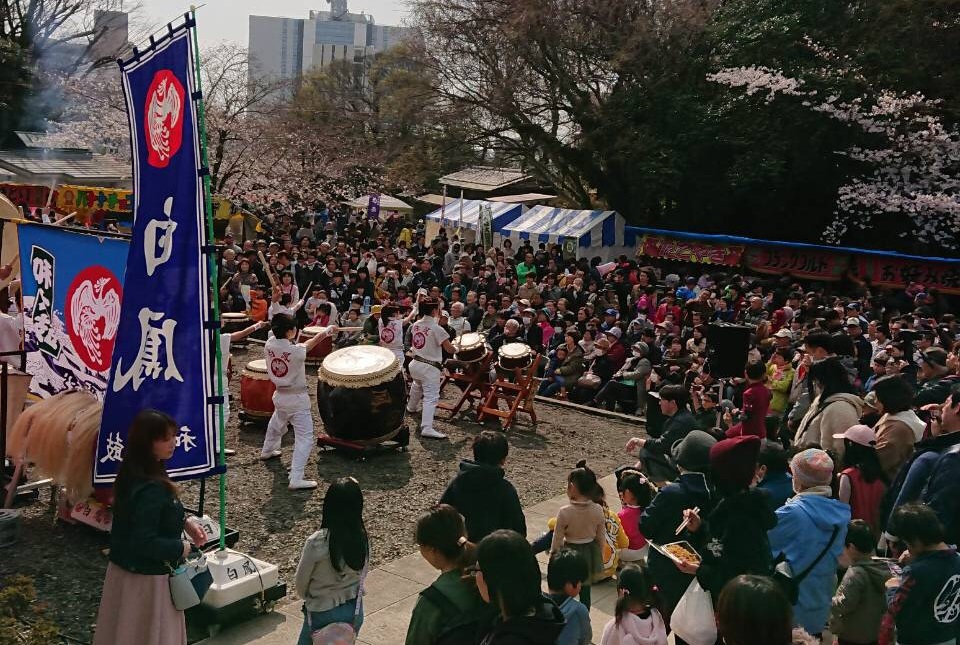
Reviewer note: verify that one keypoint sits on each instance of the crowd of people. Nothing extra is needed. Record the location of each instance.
(812, 492)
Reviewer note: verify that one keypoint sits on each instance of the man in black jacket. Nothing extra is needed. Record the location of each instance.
(655, 453)
(482, 494)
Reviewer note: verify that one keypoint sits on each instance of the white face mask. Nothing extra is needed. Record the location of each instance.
(527, 321)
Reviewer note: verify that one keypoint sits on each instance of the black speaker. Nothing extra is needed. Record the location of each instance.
(727, 347)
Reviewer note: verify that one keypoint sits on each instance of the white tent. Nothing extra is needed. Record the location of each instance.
(595, 233)
(451, 217)
(387, 204)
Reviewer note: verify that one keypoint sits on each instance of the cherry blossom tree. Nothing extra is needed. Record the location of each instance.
(911, 153)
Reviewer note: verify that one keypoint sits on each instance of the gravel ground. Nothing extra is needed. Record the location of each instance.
(68, 562)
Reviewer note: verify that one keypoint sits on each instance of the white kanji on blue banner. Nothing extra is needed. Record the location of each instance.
(162, 357)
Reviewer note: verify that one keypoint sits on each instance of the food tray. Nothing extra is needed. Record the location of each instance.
(665, 552)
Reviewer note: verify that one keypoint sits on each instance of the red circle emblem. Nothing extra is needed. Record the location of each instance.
(93, 315)
(419, 340)
(163, 118)
(387, 335)
(279, 367)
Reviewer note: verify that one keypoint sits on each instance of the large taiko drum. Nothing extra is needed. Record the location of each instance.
(361, 394)
(515, 356)
(316, 355)
(256, 390)
(470, 347)
(232, 322)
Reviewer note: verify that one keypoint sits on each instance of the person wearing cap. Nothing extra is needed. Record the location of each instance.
(428, 342)
(654, 453)
(609, 319)
(530, 332)
(371, 326)
(660, 519)
(862, 345)
(810, 523)
(230, 243)
(878, 370)
(783, 339)
(862, 482)
(780, 375)
(935, 378)
(617, 354)
(628, 385)
(732, 538)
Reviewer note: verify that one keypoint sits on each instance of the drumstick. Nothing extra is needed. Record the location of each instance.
(266, 267)
(683, 525)
(65, 218)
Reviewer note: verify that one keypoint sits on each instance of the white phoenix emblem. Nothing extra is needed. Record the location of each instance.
(88, 306)
(164, 103)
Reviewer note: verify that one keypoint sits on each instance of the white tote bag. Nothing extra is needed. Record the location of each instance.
(693, 619)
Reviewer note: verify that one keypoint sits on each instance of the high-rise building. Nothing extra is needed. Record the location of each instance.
(287, 48)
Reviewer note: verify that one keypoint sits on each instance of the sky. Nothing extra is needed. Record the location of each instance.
(226, 20)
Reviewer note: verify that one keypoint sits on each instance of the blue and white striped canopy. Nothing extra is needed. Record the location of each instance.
(599, 233)
(503, 214)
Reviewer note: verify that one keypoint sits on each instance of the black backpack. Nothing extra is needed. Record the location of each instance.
(459, 626)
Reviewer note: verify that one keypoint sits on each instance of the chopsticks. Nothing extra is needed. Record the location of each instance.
(683, 524)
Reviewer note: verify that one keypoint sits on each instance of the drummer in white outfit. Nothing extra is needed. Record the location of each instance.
(286, 365)
(225, 341)
(391, 330)
(428, 340)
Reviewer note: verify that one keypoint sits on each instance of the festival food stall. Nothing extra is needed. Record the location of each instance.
(583, 233)
(465, 215)
(808, 261)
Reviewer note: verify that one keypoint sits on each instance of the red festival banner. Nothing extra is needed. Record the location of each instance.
(26, 194)
(667, 248)
(802, 263)
(898, 273)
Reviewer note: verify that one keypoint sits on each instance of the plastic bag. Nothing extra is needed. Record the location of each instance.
(693, 619)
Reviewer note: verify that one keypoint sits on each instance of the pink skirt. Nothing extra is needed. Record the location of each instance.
(136, 608)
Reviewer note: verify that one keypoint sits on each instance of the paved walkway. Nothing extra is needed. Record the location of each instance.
(392, 590)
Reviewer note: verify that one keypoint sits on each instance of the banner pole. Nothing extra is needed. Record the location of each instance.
(214, 279)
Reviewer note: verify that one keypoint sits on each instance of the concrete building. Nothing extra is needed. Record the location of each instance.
(287, 48)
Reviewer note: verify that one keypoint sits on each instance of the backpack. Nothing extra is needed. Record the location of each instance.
(459, 626)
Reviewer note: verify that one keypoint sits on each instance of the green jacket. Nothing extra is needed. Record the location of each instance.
(859, 603)
(428, 621)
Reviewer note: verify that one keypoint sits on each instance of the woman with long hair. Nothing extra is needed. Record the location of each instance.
(329, 574)
(452, 602)
(508, 578)
(834, 408)
(145, 541)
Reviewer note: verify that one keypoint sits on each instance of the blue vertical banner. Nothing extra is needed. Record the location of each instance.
(162, 358)
(373, 206)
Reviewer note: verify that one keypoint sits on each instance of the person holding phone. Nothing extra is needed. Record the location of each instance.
(932, 474)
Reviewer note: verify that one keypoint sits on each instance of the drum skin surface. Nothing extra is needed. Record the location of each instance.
(256, 390)
(316, 355)
(470, 347)
(232, 322)
(361, 394)
(515, 355)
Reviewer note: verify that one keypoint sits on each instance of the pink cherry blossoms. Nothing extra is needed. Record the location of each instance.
(914, 169)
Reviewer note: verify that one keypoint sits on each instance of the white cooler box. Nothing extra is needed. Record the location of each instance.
(236, 577)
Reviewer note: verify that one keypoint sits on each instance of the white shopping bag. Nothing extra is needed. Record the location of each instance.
(693, 619)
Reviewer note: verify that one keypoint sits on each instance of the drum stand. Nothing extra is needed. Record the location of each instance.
(476, 385)
(361, 450)
(518, 394)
